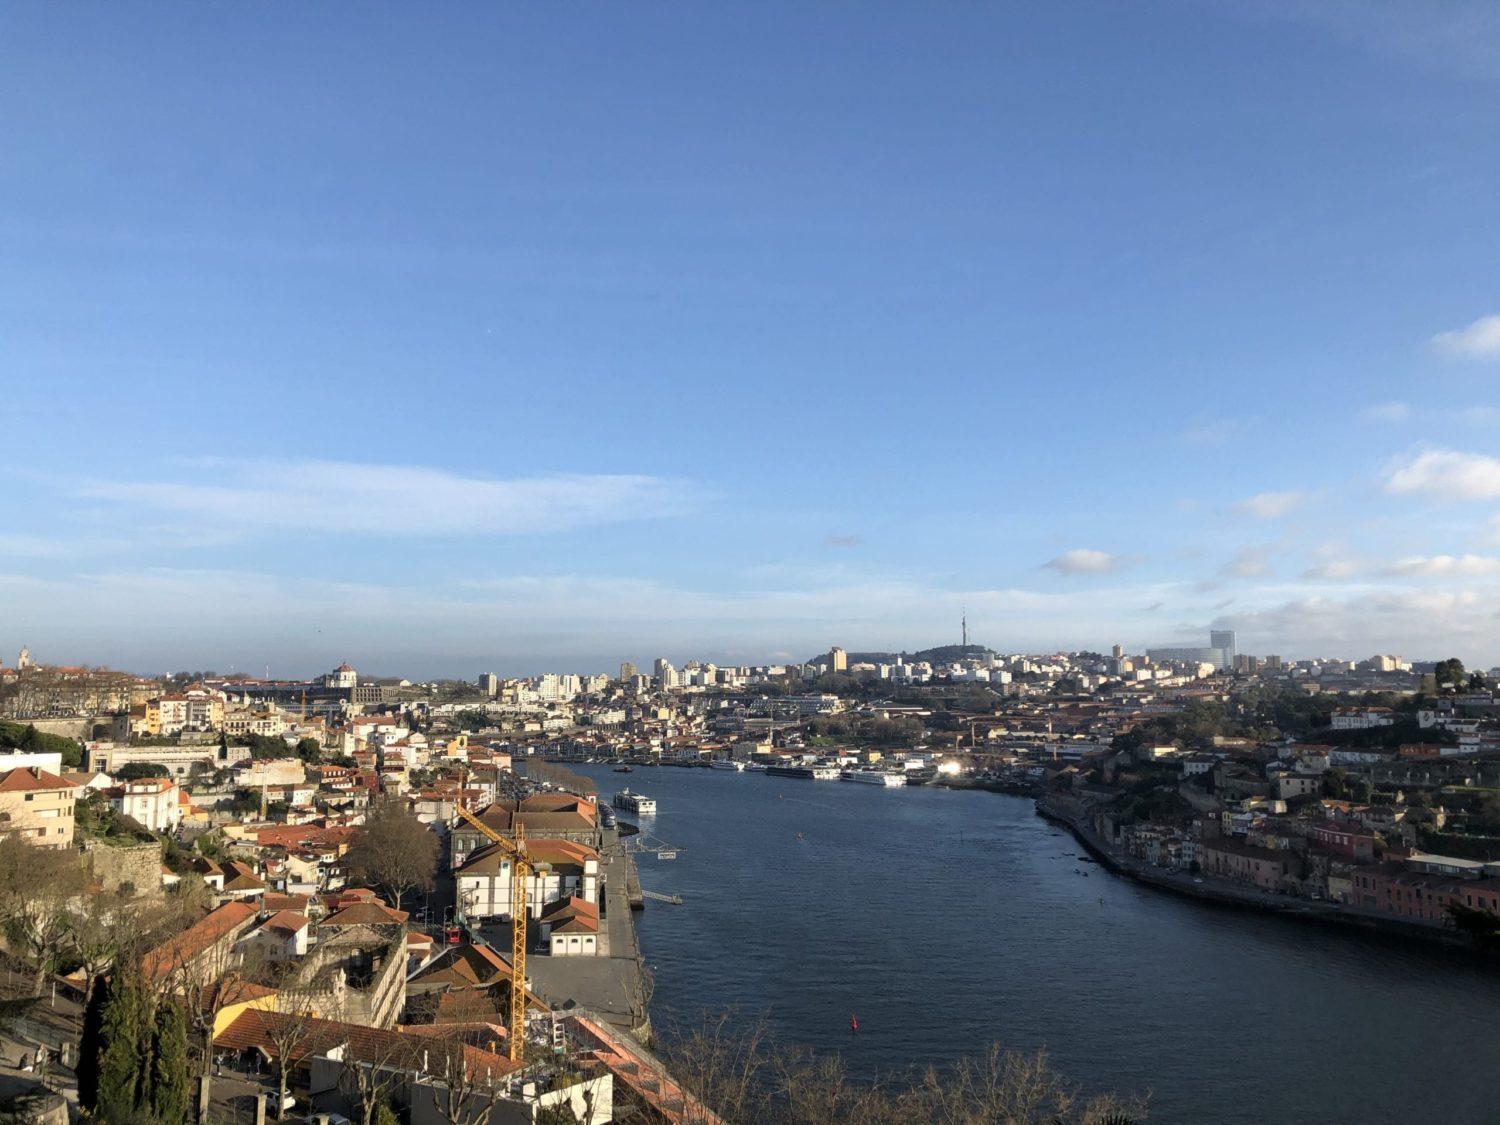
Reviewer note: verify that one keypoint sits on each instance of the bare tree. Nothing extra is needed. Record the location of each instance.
(742, 1077)
(367, 1080)
(286, 1030)
(394, 850)
(37, 889)
(465, 1091)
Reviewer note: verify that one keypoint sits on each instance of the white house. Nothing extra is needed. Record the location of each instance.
(150, 801)
(561, 869)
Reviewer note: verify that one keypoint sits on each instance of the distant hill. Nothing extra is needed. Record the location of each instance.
(942, 654)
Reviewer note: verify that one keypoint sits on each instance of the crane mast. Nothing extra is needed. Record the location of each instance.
(520, 876)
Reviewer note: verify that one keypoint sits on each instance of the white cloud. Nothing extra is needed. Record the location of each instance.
(1082, 560)
(1386, 412)
(1332, 570)
(396, 500)
(1249, 562)
(1269, 505)
(1480, 340)
(1440, 565)
(1446, 474)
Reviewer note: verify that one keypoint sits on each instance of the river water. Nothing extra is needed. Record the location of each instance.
(946, 920)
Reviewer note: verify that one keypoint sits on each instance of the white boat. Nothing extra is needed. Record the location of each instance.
(726, 764)
(637, 803)
(876, 777)
(756, 767)
(825, 773)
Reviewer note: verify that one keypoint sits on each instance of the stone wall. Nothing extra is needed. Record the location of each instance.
(137, 864)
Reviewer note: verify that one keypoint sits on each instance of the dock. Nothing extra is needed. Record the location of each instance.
(657, 896)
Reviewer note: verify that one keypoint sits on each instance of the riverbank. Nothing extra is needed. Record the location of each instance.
(1225, 892)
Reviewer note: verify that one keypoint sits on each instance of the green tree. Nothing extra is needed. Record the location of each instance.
(1449, 673)
(90, 1044)
(310, 750)
(171, 1085)
(135, 770)
(123, 1047)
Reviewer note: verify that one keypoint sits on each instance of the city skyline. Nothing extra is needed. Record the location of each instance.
(1101, 324)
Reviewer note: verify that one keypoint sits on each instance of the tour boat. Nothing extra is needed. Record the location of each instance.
(637, 803)
(875, 777)
(726, 764)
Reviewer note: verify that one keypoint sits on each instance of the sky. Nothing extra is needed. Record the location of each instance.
(527, 337)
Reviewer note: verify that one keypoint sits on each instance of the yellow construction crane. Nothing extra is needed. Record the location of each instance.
(520, 873)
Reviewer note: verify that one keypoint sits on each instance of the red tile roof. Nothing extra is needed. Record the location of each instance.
(27, 779)
(194, 940)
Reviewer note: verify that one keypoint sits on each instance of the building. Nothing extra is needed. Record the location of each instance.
(37, 806)
(560, 869)
(152, 802)
(489, 683)
(1267, 868)
(549, 816)
(838, 660)
(342, 678)
(200, 954)
(570, 928)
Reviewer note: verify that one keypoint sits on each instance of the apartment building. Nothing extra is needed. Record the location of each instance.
(38, 806)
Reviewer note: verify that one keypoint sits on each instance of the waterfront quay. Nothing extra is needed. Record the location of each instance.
(612, 984)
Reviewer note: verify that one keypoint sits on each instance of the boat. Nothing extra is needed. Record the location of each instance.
(810, 773)
(875, 777)
(624, 769)
(726, 764)
(637, 803)
(757, 767)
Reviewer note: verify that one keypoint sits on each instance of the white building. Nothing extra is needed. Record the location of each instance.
(153, 802)
(561, 869)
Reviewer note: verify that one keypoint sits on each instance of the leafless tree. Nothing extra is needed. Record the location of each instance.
(465, 1091)
(286, 1031)
(394, 850)
(742, 1077)
(367, 1080)
(37, 889)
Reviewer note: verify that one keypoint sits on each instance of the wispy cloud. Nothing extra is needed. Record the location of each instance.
(1430, 566)
(1249, 562)
(1269, 505)
(1445, 474)
(1480, 340)
(395, 500)
(1386, 412)
(1082, 560)
(844, 541)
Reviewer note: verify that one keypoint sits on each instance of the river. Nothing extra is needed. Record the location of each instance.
(946, 920)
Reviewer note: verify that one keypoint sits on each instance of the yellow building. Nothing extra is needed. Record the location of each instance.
(38, 806)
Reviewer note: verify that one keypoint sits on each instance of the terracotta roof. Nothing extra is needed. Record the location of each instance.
(239, 876)
(572, 916)
(253, 1029)
(27, 779)
(276, 901)
(367, 914)
(286, 921)
(195, 939)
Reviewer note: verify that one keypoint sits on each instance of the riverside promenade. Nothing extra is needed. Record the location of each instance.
(613, 985)
(1226, 892)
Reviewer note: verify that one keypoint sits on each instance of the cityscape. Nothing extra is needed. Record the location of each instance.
(321, 879)
(795, 563)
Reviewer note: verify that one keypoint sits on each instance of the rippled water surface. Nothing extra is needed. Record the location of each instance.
(946, 920)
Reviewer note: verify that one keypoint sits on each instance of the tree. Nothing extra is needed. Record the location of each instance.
(286, 1031)
(123, 1045)
(171, 1091)
(463, 1094)
(310, 750)
(37, 886)
(133, 771)
(1449, 673)
(394, 850)
(90, 1043)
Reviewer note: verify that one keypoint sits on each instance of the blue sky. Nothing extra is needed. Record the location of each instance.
(516, 337)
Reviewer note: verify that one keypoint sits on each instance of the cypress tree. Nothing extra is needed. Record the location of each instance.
(170, 1086)
(90, 1045)
(123, 1050)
